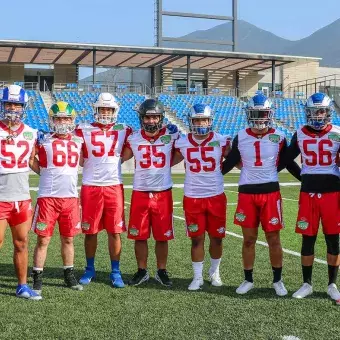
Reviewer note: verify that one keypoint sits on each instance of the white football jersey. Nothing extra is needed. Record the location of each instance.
(152, 160)
(16, 151)
(203, 176)
(259, 156)
(319, 152)
(59, 163)
(102, 153)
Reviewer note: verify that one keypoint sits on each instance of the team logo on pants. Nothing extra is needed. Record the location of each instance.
(85, 226)
(193, 228)
(221, 230)
(41, 226)
(240, 217)
(274, 221)
(303, 225)
(133, 231)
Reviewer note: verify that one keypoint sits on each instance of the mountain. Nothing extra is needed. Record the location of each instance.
(322, 43)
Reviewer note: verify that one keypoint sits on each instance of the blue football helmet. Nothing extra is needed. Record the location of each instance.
(199, 111)
(318, 109)
(13, 94)
(259, 112)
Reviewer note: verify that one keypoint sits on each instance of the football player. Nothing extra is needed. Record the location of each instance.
(16, 154)
(58, 161)
(318, 142)
(151, 201)
(102, 195)
(204, 202)
(261, 150)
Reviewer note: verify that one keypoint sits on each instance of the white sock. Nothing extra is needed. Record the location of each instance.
(36, 269)
(198, 269)
(214, 266)
(67, 267)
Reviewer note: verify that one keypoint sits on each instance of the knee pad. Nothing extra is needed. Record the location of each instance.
(308, 243)
(332, 242)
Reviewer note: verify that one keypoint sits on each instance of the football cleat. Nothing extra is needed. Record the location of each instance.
(70, 280)
(140, 276)
(196, 283)
(280, 288)
(88, 276)
(25, 292)
(37, 281)
(215, 279)
(116, 279)
(333, 292)
(245, 287)
(163, 278)
(305, 290)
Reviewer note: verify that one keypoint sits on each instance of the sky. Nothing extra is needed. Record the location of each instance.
(131, 22)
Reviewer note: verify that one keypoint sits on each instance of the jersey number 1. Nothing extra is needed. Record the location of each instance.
(258, 161)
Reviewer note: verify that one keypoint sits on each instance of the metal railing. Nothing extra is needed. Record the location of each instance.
(118, 88)
(194, 91)
(329, 84)
(26, 85)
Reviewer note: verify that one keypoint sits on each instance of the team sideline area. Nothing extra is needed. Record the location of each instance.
(153, 312)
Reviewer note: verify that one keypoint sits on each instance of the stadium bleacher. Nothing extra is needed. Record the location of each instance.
(229, 111)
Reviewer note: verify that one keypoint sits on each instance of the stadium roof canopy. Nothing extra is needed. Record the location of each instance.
(94, 55)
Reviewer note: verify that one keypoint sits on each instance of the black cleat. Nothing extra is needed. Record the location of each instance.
(141, 276)
(37, 280)
(70, 280)
(163, 278)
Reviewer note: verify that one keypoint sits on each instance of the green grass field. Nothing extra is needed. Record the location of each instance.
(153, 312)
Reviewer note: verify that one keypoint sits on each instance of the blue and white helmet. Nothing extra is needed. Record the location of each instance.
(318, 109)
(13, 94)
(199, 111)
(259, 112)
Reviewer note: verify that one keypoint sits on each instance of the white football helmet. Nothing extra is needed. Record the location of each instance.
(108, 101)
(17, 95)
(318, 109)
(199, 111)
(260, 112)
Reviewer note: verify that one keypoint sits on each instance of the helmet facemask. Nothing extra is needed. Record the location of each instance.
(106, 115)
(318, 117)
(200, 130)
(13, 112)
(151, 127)
(259, 119)
(62, 128)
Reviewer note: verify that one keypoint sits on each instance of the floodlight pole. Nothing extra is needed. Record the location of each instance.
(273, 78)
(188, 73)
(94, 67)
(234, 26)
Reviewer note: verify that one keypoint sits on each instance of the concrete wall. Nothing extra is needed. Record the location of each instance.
(65, 73)
(12, 73)
(328, 71)
(298, 71)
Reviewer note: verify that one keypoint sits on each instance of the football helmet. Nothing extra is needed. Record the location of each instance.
(318, 110)
(259, 112)
(200, 111)
(62, 110)
(106, 100)
(151, 107)
(17, 95)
